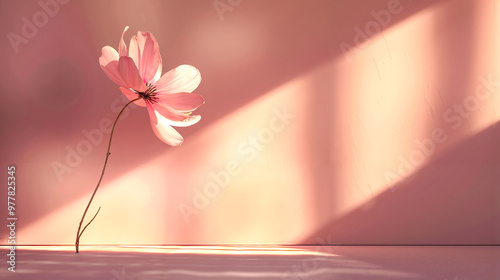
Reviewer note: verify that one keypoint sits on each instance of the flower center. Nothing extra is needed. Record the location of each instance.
(149, 95)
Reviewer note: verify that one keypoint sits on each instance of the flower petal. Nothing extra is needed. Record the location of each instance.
(122, 48)
(108, 54)
(162, 129)
(169, 113)
(109, 64)
(130, 74)
(145, 52)
(158, 73)
(187, 122)
(131, 95)
(152, 117)
(134, 51)
(182, 101)
(184, 78)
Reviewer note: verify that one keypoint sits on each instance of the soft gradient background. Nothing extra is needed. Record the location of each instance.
(353, 122)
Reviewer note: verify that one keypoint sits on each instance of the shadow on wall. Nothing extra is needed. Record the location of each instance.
(293, 37)
(462, 182)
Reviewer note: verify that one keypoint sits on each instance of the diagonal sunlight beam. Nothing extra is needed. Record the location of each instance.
(395, 182)
(218, 164)
(392, 121)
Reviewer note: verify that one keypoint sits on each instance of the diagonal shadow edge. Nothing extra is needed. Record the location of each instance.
(453, 199)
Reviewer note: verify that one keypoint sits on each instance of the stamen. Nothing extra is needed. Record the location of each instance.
(149, 95)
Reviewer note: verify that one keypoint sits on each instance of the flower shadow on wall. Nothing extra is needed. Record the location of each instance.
(168, 98)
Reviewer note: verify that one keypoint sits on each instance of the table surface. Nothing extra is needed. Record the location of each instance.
(253, 262)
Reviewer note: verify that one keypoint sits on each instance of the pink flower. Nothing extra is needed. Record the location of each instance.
(168, 98)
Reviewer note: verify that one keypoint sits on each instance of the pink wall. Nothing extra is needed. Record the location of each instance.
(340, 121)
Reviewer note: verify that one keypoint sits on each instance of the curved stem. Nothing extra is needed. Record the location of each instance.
(79, 234)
